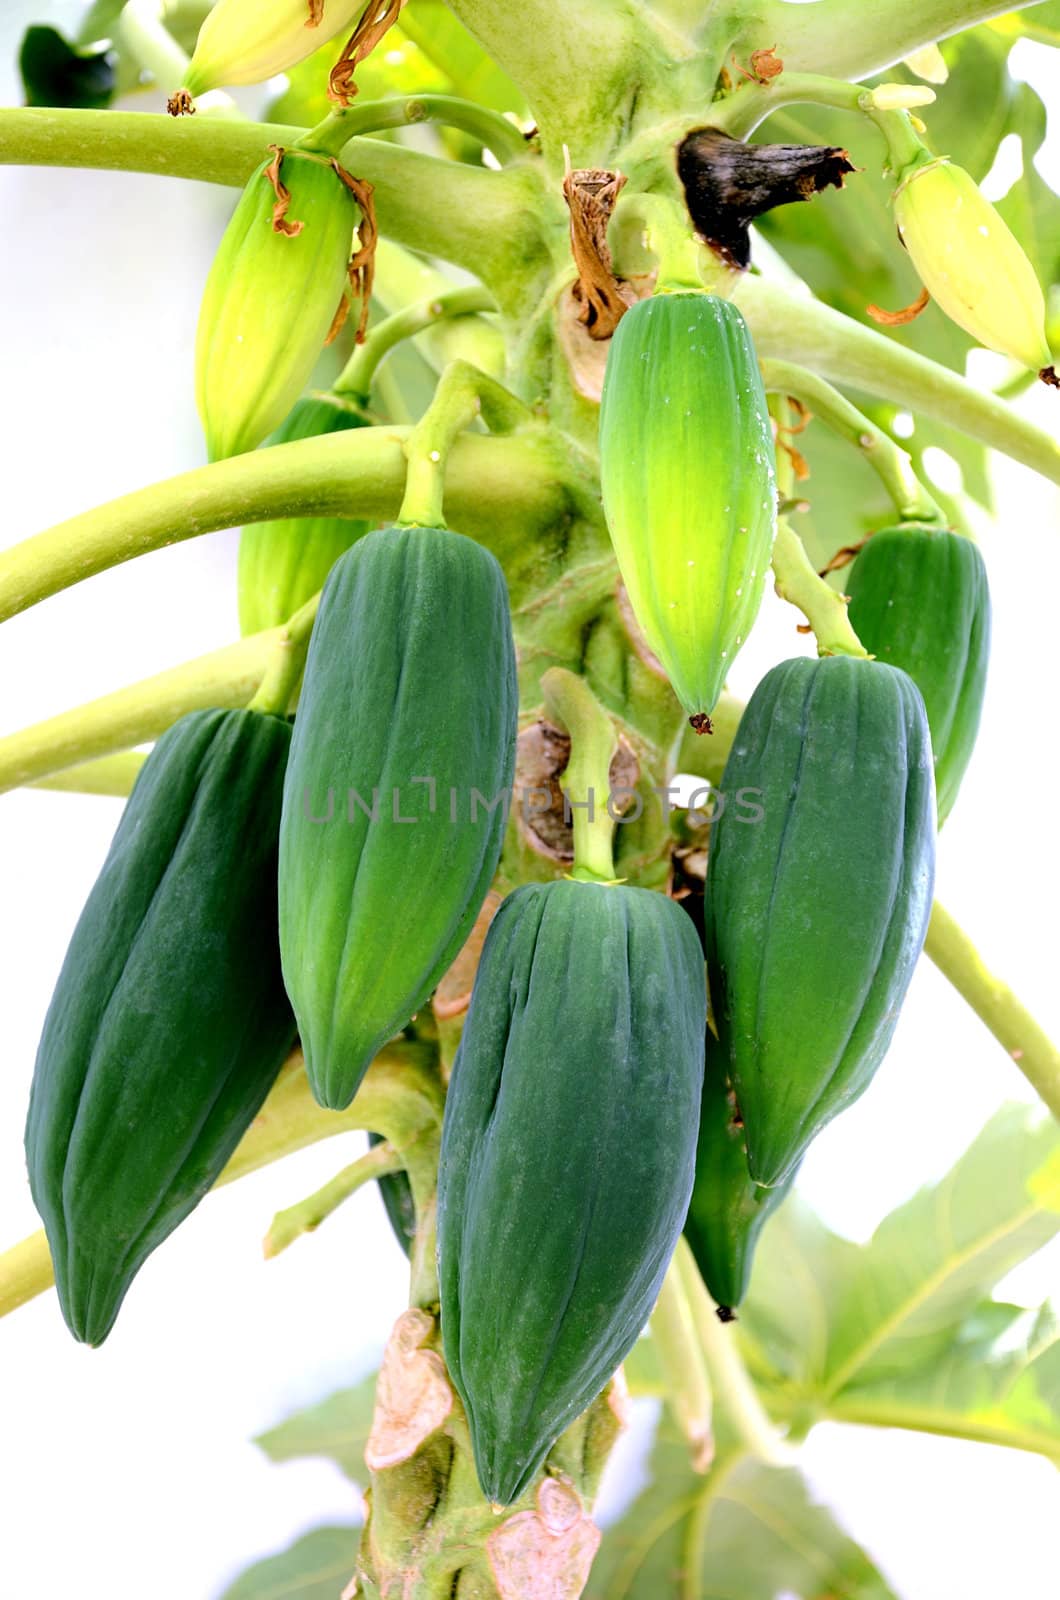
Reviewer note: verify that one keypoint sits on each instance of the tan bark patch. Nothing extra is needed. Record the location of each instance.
(413, 1398)
(544, 1554)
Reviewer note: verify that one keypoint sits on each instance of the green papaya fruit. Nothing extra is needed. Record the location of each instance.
(688, 471)
(169, 1021)
(396, 1193)
(568, 1148)
(815, 914)
(920, 600)
(397, 790)
(275, 285)
(727, 1210)
(283, 564)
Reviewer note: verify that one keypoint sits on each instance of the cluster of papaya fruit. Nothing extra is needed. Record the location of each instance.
(594, 1111)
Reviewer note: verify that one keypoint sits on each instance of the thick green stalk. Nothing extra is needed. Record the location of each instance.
(995, 1004)
(823, 607)
(503, 490)
(286, 661)
(887, 459)
(307, 1215)
(108, 775)
(792, 327)
(752, 103)
(401, 1097)
(828, 38)
(133, 715)
(463, 394)
(484, 221)
(571, 705)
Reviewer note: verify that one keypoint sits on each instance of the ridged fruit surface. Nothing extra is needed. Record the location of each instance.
(270, 300)
(727, 1210)
(567, 1155)
(283, 564)
(815, 915)
(169, 1020)
(920, 600)
(404, 741)
(689, 483)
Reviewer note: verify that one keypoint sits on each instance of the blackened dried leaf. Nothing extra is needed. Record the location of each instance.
(729, 183)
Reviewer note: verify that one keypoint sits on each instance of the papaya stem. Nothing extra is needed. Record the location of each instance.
(287, 658)
(496, 486)
(749, 106)
(887, 459)
(796, 580)
(109, 775)
(684, 1367)
(733, 1387)
(489, 128)
(463, 395)
(224, 678)
(401, 1097)
(571, 705)
(797, 328)
(994, 1003)
(308, 1214)
(356, 377)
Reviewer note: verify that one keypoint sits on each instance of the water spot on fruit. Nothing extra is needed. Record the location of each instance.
(436, 455)
(740, 590)
(984, 230)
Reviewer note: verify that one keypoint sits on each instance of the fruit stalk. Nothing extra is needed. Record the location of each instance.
(357, 376)
(307, 1215)
(677, 1340)
(571, 705)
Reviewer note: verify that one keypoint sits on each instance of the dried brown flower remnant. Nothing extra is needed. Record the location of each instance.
(378, 18)
(765, 65)
(898, 319)
(283, 196)
(590, 194)
(728, 184)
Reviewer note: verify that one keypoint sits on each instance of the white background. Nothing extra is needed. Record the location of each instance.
(128, 1471)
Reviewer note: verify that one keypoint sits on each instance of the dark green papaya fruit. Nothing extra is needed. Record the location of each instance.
(567, 1156)
(396, 1194)
(283, 564)
(919, 600)
(169, 1022)
(397, 791)
(727, 1210)
(816, 913)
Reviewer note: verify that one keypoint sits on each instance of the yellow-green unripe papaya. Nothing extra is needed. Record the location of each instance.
(688, 472)
(271, 297)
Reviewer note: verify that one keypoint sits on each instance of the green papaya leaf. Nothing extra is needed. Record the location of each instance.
(998, 1380)
(315, 1567)
(54, 73)
(744, 1530)
(337, 1427)
(827, 1317)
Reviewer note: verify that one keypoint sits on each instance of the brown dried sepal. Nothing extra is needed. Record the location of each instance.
(765, 65)
(413, 1396)
(590, 194)
(1048, 375)
(844, 556)
(376, 21)
(544, 1554)
(180, 104)
(541, 755)
(453, 995)
(899, 319)
(316, 13)
(290, 230)
(728, 184)
(701, 723)
(362, 263)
